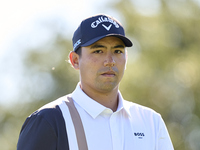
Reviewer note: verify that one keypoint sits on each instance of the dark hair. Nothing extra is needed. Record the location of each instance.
(79, 51)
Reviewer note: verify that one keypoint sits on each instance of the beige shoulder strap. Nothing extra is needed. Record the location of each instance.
(80, 133)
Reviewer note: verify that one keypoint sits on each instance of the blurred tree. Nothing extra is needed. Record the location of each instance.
(162, 71)
(50, 69)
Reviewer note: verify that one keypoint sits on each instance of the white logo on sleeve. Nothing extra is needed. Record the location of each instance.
(107, 28)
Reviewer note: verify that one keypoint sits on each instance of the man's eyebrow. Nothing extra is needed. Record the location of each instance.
(102, 46)
(119, 46)
(97, 46)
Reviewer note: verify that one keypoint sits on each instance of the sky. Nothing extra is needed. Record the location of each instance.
(16, 15)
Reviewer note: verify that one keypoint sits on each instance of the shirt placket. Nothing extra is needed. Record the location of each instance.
(116, 126)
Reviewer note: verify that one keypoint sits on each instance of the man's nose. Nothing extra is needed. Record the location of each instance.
(109, 62)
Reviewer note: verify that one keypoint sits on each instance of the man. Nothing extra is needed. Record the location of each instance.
(107, 121)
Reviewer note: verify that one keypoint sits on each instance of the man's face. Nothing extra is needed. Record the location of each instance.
(102, 65)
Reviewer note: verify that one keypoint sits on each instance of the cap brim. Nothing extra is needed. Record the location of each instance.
(126, 41)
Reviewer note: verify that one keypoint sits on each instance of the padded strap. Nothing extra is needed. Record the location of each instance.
(80, 133)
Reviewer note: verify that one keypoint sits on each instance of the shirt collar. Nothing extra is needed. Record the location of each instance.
(123, 104)
(91, 106)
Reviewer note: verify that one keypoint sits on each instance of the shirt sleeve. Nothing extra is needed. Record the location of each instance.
(164, 141)
(37, 134)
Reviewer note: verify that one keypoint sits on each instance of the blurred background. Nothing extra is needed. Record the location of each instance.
(163, 70)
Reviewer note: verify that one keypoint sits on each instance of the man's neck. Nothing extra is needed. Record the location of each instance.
(107, 99)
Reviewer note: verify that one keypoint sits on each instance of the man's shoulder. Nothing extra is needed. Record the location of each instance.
(51, 111)
(52, 105)
(135, 108)
(43, 127)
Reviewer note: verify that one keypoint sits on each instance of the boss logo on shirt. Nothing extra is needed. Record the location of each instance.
(139, 135)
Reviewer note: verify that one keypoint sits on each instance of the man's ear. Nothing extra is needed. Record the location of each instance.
(74, 59)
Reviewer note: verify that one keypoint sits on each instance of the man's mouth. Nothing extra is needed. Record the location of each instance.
(108, 74)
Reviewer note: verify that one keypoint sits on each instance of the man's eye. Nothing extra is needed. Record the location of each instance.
(98, 51)
(118, 51)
